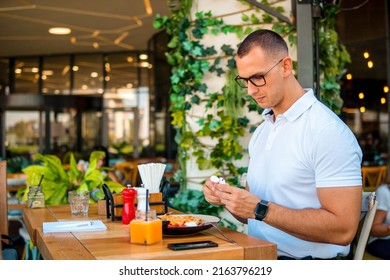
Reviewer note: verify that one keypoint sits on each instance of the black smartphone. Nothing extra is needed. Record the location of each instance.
(192, 245)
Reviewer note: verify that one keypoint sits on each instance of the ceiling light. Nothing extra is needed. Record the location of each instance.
(366, 55)
(385, 89)
(144, 64)
(60, 30)
(148, 7)
(143, 56)
(48, 72)
(370, 64)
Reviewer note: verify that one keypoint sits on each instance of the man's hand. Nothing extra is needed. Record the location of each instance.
(209, 193)
(239, 202)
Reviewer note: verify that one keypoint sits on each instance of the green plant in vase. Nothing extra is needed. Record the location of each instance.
(57, 180)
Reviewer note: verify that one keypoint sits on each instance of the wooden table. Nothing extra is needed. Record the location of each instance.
(114, 243)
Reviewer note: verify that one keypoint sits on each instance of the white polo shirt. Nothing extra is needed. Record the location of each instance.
(307, 147)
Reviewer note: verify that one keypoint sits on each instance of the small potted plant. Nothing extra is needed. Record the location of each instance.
(58, 180)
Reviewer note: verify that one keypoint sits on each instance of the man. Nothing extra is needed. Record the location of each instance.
(304, 179)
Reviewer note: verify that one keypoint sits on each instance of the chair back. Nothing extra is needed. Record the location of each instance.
(372, 177)
(3, 198)
(369, 206)
(127, 172)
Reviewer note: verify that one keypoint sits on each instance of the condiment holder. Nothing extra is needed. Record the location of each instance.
(112, 205)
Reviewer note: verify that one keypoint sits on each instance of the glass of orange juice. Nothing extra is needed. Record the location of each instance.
(146, 228)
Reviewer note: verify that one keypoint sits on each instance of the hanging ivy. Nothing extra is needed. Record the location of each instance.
(333, 57)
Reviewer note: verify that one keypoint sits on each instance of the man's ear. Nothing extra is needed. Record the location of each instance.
(287, 65)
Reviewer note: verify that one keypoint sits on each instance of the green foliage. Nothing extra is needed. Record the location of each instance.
(333, 57)
(57, 180)
(193, 201)
(17, 163)
(122, 148)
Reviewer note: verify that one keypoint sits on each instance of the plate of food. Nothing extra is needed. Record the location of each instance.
(186, 224)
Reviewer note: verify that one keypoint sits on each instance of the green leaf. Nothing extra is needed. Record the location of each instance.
(227, 49)
(195, 99)
(244, 17)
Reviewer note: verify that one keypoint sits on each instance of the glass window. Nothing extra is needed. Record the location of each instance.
(91, 129)
(123, 132)
(121, 72)
(4, 74)
(26, 75)
(56, 75)
(88, 74)
(63, 131)
(22, 132)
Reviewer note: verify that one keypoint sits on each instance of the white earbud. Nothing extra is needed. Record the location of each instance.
(216, 179)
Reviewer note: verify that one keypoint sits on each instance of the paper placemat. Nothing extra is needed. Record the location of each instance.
(73, 226)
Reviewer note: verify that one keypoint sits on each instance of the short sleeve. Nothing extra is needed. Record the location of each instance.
(337, 157)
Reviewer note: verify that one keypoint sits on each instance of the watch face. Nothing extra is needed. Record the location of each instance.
(261, 210)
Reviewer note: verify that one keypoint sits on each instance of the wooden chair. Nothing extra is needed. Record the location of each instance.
(5, 217)
(3, 198)
(127, 172)
(372, 177)
(6, 253)
(15, 182)
(369, 205)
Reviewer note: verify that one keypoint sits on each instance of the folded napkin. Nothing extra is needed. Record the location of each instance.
(73, 226)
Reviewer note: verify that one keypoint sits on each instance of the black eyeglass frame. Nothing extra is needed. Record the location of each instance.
(260, 76)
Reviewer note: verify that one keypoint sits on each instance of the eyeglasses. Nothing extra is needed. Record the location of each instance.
(256, 80)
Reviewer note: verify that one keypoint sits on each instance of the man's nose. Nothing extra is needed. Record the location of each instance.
(252, 89)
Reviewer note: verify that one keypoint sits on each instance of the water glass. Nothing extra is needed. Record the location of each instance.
(79, 202)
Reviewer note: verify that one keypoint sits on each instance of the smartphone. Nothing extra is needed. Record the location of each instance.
(192, 245)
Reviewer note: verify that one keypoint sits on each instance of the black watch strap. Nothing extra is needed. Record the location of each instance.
(261, 210)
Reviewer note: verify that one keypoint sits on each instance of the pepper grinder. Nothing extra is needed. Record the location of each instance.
(141, 199)
(128, 212)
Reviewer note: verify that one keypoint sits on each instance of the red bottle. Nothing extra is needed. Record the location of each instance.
(128, 212)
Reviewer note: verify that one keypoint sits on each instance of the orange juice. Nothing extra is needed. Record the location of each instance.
(145, 231)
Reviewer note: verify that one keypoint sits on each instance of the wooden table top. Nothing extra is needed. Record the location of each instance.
(114, 243)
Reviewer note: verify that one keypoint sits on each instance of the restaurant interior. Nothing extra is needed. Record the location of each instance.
(104, 81)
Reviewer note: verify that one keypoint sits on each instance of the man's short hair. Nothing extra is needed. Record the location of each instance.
(268, 40)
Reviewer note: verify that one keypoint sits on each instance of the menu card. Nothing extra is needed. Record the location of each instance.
(73, 226)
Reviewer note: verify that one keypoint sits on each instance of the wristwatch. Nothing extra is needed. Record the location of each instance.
(261, 210)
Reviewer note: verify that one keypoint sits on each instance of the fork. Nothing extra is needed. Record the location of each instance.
(215, 225)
